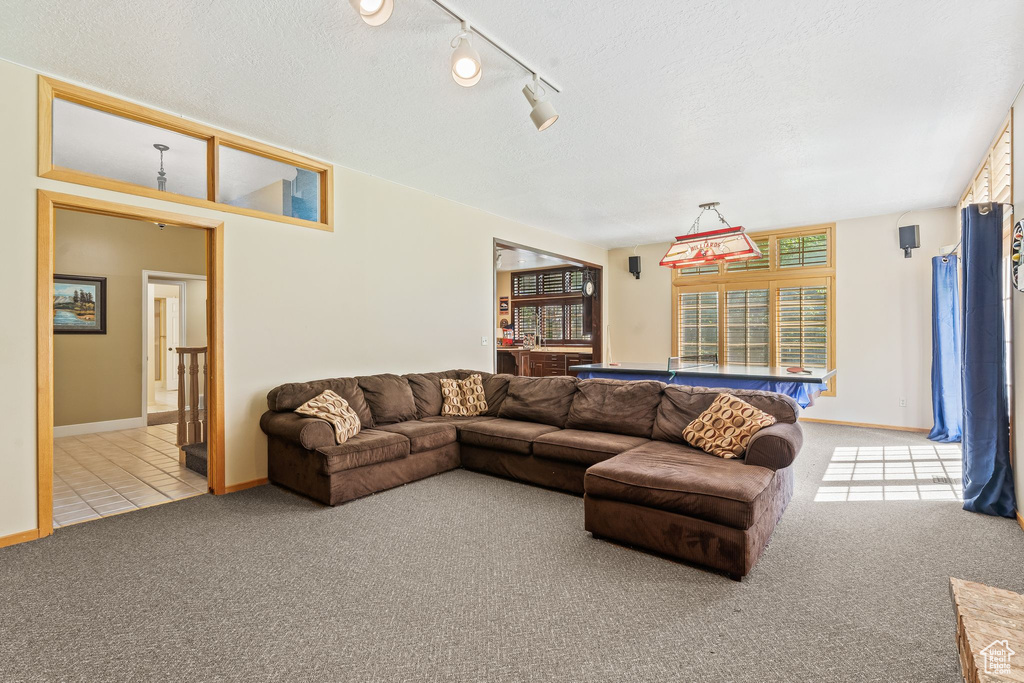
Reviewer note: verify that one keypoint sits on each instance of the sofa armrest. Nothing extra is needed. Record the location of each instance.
(309, 432)
(775, 447)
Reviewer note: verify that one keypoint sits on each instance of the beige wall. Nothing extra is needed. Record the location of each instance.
(118, 250)
(883, 317)
(298, 303)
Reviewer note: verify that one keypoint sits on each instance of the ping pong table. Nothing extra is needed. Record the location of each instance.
(803, 387)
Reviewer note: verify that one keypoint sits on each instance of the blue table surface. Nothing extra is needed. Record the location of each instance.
(802, 388)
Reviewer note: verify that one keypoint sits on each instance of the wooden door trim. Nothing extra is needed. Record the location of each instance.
(47, 205)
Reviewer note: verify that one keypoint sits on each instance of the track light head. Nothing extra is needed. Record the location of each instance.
(543, 113)
(466, 66)
(373, 12)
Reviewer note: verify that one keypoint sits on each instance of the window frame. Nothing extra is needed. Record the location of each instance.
(50, 89)
(771, 279)
(566, 298)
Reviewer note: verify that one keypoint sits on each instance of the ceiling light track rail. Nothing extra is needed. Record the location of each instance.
(496, 45)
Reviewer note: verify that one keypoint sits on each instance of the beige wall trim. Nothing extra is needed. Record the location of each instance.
(867, 425)
(97, 427)
(47, 205)
(50, 88)
(234, 488)
(20, 537)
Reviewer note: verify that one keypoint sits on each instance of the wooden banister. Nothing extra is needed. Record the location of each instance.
(191, 420)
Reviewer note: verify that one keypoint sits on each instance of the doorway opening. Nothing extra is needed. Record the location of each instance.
(98, 263)
(547, 311)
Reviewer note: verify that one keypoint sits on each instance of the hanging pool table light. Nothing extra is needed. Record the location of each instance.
(710, 246)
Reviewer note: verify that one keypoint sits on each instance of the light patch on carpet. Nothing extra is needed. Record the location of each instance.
(883, 473)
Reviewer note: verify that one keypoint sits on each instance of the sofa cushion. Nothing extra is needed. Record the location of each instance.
(725, 428)
(583, 447)
(389, 397)
(539, 399)
(335, 410)
(680, 405)
(614, 405)
(685, 481)
(368, 447)
(456, 421)
(423, 436)
(426, 391)
(503, 435)
(463, 397)
(287, 397)
(495, 391)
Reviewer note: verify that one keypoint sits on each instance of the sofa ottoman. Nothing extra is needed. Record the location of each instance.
(687, 504)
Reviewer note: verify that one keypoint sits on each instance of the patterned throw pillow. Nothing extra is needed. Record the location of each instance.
(725, 428)
(336, 410)
(463, 397)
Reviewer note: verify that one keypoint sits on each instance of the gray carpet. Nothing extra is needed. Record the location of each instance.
(464, 577)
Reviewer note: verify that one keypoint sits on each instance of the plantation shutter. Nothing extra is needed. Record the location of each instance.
(802, 324)
(553, 321)
(746, 327)
(524, 320)
(697, 315)
(763, 263)
(802, 251)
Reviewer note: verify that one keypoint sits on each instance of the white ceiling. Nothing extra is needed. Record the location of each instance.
(521, 258)
(788, 112)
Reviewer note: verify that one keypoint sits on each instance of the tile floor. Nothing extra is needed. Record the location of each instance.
(97, 475)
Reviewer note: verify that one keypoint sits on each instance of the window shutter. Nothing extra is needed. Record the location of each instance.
(524, 318)
(803, 251)
(553, 321)
(524, 284)
(802, 326)
(746, 327)
(711, 269)
(763, 263)
(698, 325)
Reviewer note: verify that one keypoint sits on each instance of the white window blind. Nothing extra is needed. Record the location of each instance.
(698, 324)
(802, 326)
(746, 327)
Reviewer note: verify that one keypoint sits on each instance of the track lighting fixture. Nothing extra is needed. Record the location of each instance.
(543, 113)
(373, 12)
(466, 68)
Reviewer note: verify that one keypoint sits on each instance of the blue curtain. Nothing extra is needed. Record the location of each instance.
(988, 481)
(947, 399)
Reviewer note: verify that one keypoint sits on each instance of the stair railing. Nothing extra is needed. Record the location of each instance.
(191, 419)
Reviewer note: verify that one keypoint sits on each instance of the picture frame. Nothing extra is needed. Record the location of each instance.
(79, 304)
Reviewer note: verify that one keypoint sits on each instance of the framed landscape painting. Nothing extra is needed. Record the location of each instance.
(79, 304)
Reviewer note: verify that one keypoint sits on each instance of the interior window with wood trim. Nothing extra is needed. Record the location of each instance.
(777, 310)
(93, 139)
(549, 304)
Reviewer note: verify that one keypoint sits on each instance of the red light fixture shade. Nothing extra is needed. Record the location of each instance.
(710, 246)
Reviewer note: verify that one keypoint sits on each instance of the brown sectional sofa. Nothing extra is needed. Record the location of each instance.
(617, 443)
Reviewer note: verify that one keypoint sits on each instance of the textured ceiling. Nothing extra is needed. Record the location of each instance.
(518, 258)
(788, 112)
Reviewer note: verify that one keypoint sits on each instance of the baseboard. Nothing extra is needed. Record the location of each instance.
(868, 425)
(20, 537)
(1020, 520)
(96, 427)
(246, 485)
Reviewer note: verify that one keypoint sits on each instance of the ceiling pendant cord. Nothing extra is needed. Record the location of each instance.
(161, 176)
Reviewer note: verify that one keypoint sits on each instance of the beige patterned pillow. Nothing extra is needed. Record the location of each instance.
(725, 428)
(336, 410)
(463, 397)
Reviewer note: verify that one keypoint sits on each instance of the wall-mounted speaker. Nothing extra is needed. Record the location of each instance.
(634, 266)
(910, 238)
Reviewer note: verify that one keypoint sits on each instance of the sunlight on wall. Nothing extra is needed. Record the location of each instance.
(893, 473)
